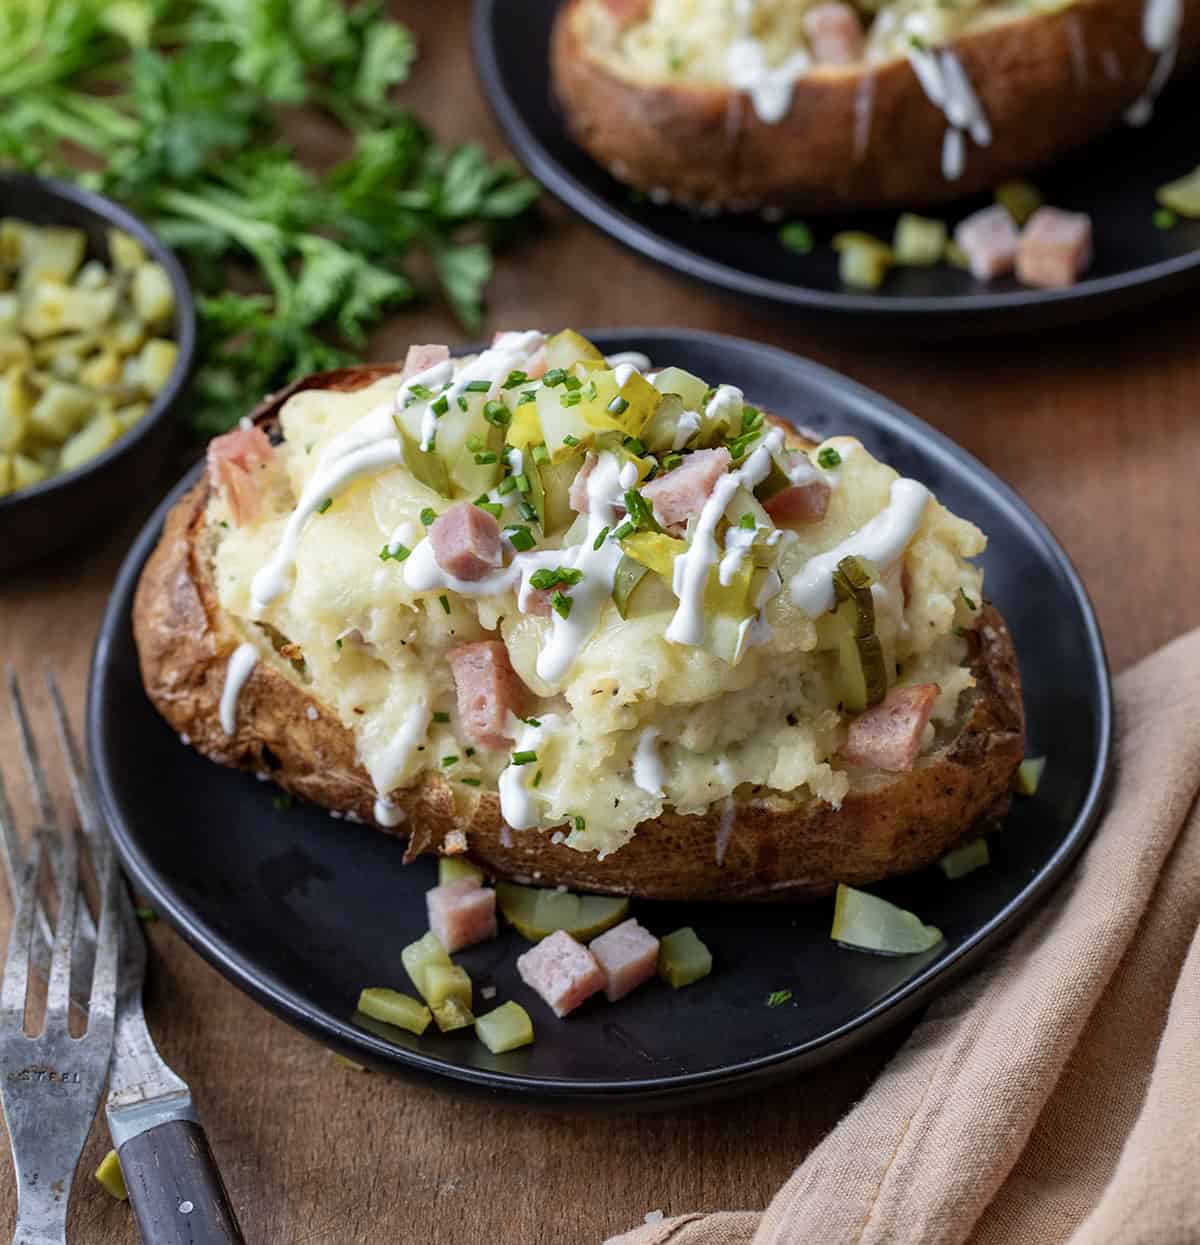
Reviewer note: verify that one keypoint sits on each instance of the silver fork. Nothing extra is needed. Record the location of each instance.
(50, 1084)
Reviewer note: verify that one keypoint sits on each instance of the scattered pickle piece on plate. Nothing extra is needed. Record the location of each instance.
(965, 859)
(394, 1008)
(537, 912)
(1029, 775)
(418, 957)
(451, 868)
(505, 1029)
(867, 923)
(683, 959)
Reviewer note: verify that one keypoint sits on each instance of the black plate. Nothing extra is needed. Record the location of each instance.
(1113, 179)
(302, 912)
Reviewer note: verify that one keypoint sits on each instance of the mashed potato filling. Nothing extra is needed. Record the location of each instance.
(373, 649)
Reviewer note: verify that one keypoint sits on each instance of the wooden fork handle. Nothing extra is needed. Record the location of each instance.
(175, 1188)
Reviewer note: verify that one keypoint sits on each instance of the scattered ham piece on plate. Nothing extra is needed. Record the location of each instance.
(421, 358)
(233, 460)
(562, 971)
(989, 239)
(888, 736)
(800, 503)
(466, 541)
(835, 34)
(628, 954)
(461, 913)
(1056, 248)
(681, 493)
(488, 690)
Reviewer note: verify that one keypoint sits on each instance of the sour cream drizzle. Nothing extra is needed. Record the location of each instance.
(398, 760)
(387, 813)
(649, 773)
(691, 568)
(631, 358)
(243, 661)
(881, 540)
(945, 83)
(519, 800)
(769, 87)
(1161, 21)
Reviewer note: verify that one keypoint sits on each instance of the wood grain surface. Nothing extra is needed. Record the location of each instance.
(1098, 428)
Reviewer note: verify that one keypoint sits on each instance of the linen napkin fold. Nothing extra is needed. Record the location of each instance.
(1053, 1096)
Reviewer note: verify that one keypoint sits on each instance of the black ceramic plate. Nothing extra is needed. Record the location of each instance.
(302, 911)
(1113, 180)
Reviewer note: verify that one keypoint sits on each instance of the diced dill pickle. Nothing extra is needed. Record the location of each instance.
(683, 959)
(394, 1008)
(1029, 775)
(10, 312)
(26, 471)
(691, 389)
(61, 411)
(656, 550)
(153, 298)
(452, 868)
(15, 237)
(427, 467)
(626, 580)
(92, 439)
(567, 348)
(111, 1178)
(537, 912)
(125, 336)
(1021, 199)
(863, 260)
(52, 308)
(965, 859)
(54, 254)
(627, 407)
(156, 363)
(129, 415)
(446, 981)
(563, 427)
(956, 257)
(92, 276)
(126, 253)
(421, 955)
(550, 492)
(1182, 196)
(6, 474)
(102, 371)
(869, 923)
(919, 241)
(505, 1029)
(452, 1015)
(861, 660)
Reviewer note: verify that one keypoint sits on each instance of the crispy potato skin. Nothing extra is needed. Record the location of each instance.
(864, 138)
(778, 847)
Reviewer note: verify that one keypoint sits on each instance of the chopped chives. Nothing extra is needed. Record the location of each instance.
(506, 485)
(524, 758)
(634, 446)
(325, 505)
(555, 376)
(394, 553)
(450, 760)
(571, 399)
(671, 461)
(478, 386)
(522, 482)
(494, 508)
(777, 998)
(601, 538)
(496, 413)
(445, 602)
(441, 406)
(419, 391)
(573, 383)
(579, 822)
(590, 391)
(470, 782)
(474, 443)
(532, 721)
(828, 458)
(527, 396)
(526, 511)
(537, 779)
(626, 529)
(462, 403)
(541, 455)
(640, 512)
(521, 539)
(547, 578)
(619, 405)
(515, 380)
(428, 516)
(488, 456)
(570, 440)
(747, 521)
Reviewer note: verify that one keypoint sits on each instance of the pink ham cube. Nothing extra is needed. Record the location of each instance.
(800, 503)
(835, 34)
(1056, 248)
(234, 460)
(461, 913)
(628, 954)
(562, 971)
(488, 690)
(989, 240)
(888, 736)
(466, 541)
(578, 494)
(681, 493)
(421, 358)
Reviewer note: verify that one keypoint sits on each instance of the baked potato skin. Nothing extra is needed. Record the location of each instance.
(778, 847)
(706, 145)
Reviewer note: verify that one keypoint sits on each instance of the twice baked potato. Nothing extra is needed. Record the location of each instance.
(594, 625)
(818, 105)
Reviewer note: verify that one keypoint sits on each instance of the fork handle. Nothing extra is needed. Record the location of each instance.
(175, 1187)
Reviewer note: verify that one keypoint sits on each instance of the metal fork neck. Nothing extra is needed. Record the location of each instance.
(42, 1211)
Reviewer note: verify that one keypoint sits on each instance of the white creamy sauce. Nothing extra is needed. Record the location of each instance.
(628, 358)
(945, 83)
(628, 477)
(691, 568)
(404, 537)
(725, 830)
(685, 429)
(882, 540)
(398, 762)
(1161, 22)
(726, 401)
(623, 373)
(649, 773)
(864, 111)
(423, 574)
(519, 801)
(1079, 65)
(387, 813)
(243, 661)
(954, 154)
(737, 545)
(769, 87)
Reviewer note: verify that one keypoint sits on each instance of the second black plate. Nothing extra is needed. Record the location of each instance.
(302, 911)
(1113, 180)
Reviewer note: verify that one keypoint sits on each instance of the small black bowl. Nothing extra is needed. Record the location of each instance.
(45, 517)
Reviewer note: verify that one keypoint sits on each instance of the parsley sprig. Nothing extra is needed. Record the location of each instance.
(174, 107)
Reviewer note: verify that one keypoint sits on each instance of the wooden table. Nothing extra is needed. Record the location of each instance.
(1098, 428)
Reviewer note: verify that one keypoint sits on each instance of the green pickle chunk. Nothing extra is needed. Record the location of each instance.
(452, 1015)
(446, 981)
(683, 959)
(862, 663)
(394, 1008)
(419, 956)
(1029, 775)
(869, 923)
(452, 868)
(505, 1029)
(965, 859)
(537, 913)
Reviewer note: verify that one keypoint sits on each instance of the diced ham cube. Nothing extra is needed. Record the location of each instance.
(461, 913)
(539, 602)
(1055, 249)
(888, 737)
(628, 954)
(488, 690)
(422, 358)
(627, 12)
(800, 503)
(466, 541)
(578, 493)
(835, 34)
(681, 493)
(233, 462)
(989, 240)
(562, 971)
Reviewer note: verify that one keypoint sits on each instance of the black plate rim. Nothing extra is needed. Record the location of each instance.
(266, 987)
(610, 219)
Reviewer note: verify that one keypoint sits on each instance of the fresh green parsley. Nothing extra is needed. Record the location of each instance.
(521, 538)
(778, 998)
(601, 538)
(570, 440)
(547, 578)
(562, 604)
(428, 516)
(747, 522)
(444, 601)
(448, 761)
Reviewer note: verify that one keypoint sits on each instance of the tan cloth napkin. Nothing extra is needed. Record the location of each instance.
(1054, 1096)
